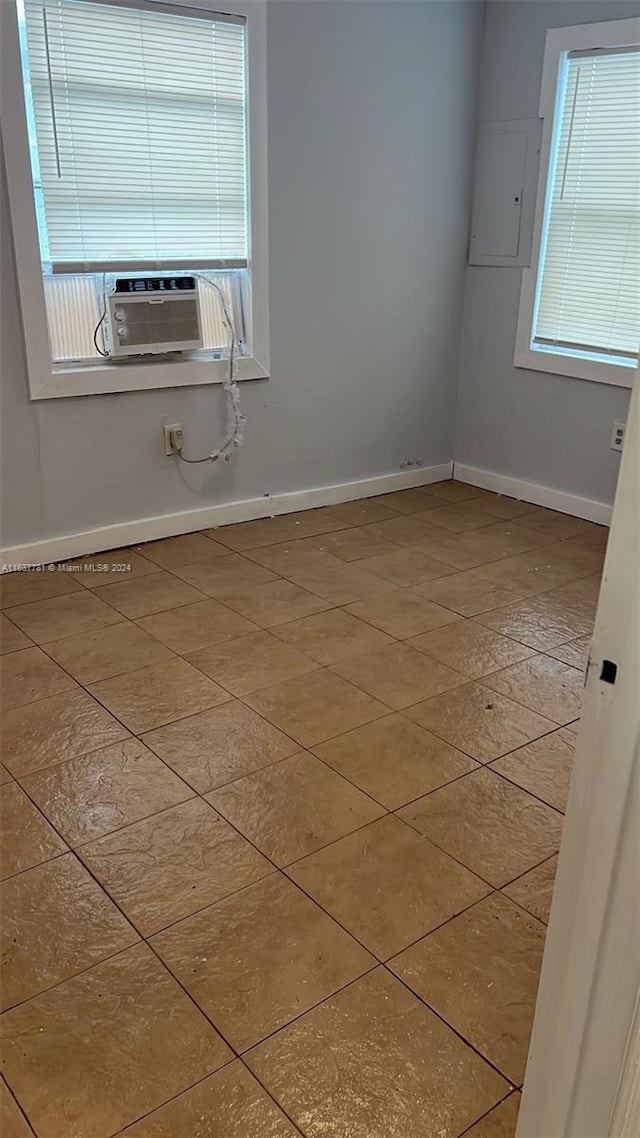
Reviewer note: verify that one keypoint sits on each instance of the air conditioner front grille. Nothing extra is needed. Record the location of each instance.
(141, 325)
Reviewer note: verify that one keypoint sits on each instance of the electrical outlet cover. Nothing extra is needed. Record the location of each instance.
(616, 440)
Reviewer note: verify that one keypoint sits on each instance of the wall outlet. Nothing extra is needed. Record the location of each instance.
(616, 441)
(172, 435)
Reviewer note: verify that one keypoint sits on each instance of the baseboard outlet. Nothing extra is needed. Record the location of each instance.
(573, 504)
(170, 525)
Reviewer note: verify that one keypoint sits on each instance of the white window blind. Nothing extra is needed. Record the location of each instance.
(589, 281)
(140, 120)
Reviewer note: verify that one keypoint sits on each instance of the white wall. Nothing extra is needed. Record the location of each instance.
(545, 429)
(371, 122)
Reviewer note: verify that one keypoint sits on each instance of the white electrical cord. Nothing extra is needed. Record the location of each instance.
(235, 418)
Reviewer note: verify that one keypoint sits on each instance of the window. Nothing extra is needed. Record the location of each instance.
(137, 134)
(580, 301)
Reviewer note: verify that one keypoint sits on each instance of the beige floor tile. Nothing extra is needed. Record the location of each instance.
(534, 890)
(579, 601)
(252, 662)
(220, 576)
(29, 675)
(501, 506)
(405, 567)
(398, 675)
(480, 973)
(297, 806)
(99, 655)
(402, 613)
(5, 776)
(286, 557)
(218, 746)
(532, 572)
(387, 885)
(583, 588)
(56, 922)
(166, 867)
(341, 584)
(191, 627)
(270, 531)
(410, 501)
(595, 537)
(56, 617)
(64, 1055)
(151, 697)
(455, 491)
(11, 638)
(526, 574)
(479, 721)
(498, 1123)
(54, 729)
(557, 526)
(360, 513)
(488, 824)
(459, 518)
(172, 552)
(542, 767)
(94, 794)
(449, 548)
(498, 541)
(259, 959)
(404, 529)
(13, 1123)
(274, 603)
(34, 585)
(315, 707)
(466, 594)
(153, 593)
(394, 760)
(351, 544)
(470, 648)
(377, 1046)
(575, 653)
(231, 1103)
(543, 622)
(115, 565)
(544, 685)
(26, 838)
(331, 636)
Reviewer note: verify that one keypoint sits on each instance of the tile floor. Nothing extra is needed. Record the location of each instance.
(281, 808)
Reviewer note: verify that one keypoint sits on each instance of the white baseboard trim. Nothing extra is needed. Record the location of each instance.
(188, 521)
(587, 508)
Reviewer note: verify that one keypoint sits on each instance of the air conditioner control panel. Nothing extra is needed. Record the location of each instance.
(155, 284)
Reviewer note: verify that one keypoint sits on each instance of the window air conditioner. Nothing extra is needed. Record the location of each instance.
(148, 316)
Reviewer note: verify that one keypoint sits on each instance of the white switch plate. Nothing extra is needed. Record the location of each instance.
(616, 441)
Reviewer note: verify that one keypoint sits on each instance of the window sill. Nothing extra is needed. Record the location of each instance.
(108, 378)
(577, 367)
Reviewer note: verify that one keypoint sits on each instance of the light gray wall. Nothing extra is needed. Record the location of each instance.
(371, 121)
(541, 428)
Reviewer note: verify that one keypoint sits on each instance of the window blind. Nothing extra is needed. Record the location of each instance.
(589, 284)
(140, 121)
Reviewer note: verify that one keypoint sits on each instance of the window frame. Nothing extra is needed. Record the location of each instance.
(47, 380)
(557, 361)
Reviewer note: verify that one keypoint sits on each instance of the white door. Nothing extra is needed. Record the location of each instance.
(582, 1076)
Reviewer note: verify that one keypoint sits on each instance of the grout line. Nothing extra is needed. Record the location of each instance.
(467, 1042)
(54, 857)
(515, 1090)
(513, 881)
(19, 1108)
